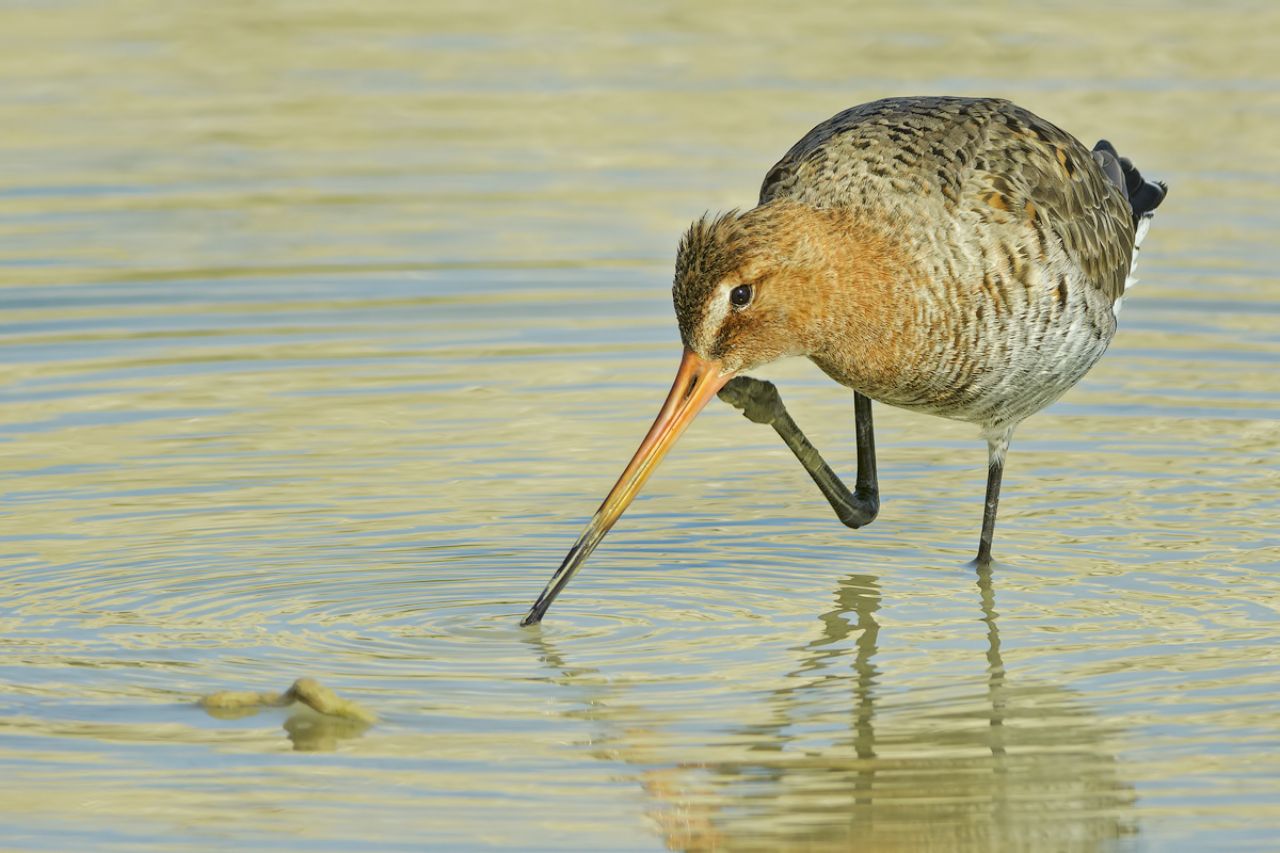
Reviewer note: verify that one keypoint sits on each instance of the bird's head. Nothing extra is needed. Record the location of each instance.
(747, 292)
(747, 285)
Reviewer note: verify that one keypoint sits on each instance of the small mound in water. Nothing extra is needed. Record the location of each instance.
(308, 691)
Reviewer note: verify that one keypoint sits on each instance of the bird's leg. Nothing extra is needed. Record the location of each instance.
(996, 449)
(760, 402)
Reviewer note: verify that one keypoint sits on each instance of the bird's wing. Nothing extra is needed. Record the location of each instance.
(971, 156)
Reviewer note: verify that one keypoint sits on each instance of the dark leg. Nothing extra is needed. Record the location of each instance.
(760, 402)
(996, 449)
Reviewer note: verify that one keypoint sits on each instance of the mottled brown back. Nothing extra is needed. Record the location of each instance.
(954, 159)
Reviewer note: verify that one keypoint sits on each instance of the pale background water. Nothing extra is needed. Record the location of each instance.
(327, 325)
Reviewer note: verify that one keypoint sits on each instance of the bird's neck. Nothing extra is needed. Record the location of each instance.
(857, 276)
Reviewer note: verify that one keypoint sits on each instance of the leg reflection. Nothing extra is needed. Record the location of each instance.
(860, 594)
(821, 663)
(997, 701)
(995, 663)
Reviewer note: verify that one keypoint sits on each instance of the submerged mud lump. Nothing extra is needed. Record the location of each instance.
(308, 691)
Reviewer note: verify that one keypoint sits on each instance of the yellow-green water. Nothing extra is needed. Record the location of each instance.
(326, 326)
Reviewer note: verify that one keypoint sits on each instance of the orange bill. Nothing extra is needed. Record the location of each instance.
(697, 381)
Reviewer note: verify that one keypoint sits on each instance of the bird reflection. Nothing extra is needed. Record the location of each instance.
(995, 664)
(849, 759)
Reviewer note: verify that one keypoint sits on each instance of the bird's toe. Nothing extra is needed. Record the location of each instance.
(757, 398)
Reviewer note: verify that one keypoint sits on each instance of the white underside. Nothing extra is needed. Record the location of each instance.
(1131, 279)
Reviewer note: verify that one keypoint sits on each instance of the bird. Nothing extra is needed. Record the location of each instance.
(961, 257)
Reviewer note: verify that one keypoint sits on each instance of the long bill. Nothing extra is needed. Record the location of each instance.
(697, 381)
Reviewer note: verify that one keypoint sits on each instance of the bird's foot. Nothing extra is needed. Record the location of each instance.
(757, 398)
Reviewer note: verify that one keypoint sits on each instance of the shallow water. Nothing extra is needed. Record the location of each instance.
(326, 326)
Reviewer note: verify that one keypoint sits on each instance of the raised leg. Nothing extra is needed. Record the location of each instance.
(760, 402)
(996, 450)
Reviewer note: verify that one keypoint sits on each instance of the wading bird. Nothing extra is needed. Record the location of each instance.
(956, 256)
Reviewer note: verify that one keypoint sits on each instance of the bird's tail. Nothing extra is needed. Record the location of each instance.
(1144, 197)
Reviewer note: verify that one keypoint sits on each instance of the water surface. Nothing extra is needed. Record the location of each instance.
(326, 326)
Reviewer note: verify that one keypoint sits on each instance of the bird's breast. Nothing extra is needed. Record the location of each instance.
(987, 335)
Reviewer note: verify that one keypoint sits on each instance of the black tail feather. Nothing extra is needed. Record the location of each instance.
(1144, 196)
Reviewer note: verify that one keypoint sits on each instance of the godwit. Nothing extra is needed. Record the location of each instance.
(957, 256)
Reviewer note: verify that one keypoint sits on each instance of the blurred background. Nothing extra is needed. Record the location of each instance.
(324, 327)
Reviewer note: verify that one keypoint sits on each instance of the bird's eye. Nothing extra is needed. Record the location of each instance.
(740, 296)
